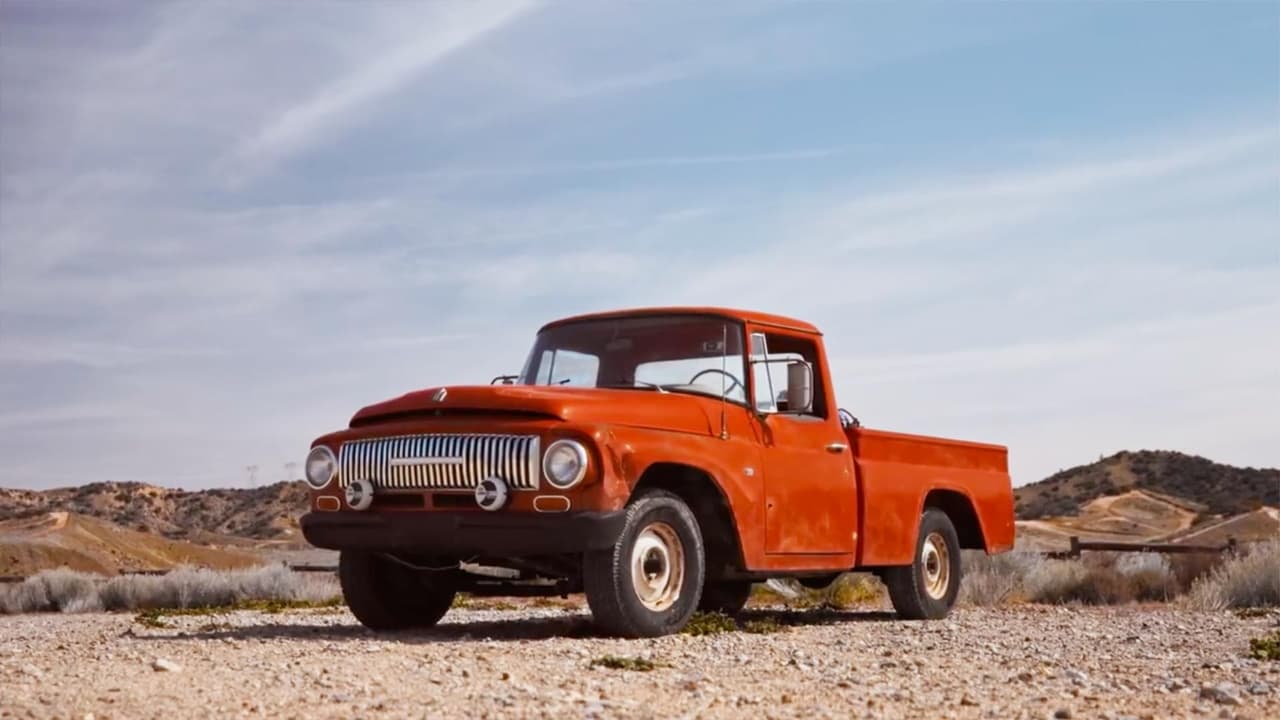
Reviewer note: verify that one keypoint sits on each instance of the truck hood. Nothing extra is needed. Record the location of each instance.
(677, 412)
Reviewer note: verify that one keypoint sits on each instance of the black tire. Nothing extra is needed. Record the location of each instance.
(608, 581)
(725, 596)
(385, 595)
(910, 585)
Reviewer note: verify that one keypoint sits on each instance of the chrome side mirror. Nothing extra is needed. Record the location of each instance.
(799, 387)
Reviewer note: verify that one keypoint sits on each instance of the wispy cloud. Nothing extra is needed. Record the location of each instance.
(430, 39)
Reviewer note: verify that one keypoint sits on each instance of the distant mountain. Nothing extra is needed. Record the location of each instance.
(1198, 484)
(211, 517)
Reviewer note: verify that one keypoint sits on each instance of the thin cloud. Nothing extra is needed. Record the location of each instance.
(432, 40)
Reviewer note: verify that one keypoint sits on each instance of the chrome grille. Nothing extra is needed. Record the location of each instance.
(441, 461)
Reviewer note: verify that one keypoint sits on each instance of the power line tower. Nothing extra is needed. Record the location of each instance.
(253, 475)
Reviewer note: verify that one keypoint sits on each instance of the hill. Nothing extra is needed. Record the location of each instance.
(55, 539)
(265, 515)
(1192, 482)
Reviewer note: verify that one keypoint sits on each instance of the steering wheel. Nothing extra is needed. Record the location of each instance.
(736, 382)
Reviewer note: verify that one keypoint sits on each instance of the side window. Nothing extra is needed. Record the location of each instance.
(769, 379)
(565, 367)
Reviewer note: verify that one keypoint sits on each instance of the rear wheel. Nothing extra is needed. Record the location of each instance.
(648, 583)
(725, 596)
(927, 588)
(386, 595)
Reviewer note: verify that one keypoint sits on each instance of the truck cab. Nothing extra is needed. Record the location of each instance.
(660, 460)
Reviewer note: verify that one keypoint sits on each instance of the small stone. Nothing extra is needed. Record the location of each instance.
(1025, 676)
(968, 701)
(506, 676)
(1222, 693)
(163, 665)
(1077, 677)
(1062, 714)
(1259, 688)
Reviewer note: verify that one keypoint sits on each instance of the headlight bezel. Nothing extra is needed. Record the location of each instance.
(326, 455)
(580, 453)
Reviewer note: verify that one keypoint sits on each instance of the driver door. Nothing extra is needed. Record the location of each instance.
(810, 494)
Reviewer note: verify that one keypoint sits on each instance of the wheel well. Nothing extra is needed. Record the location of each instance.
(704, 497)
(960, 511)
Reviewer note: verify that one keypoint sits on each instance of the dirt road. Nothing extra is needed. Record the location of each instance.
(1026, 662)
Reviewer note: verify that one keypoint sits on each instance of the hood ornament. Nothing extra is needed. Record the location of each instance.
(440, 395)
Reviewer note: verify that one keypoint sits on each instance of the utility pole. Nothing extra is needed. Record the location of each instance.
(253, 475)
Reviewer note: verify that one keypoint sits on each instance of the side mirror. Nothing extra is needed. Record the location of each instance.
(799, 387)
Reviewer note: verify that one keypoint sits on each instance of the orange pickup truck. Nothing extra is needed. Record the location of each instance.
(660, 460)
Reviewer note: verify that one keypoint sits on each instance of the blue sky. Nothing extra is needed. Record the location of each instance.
(226, 226)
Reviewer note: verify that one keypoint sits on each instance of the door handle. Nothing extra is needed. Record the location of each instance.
(837, 447)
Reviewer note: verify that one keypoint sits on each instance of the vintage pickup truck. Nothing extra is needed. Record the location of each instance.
(660, 460)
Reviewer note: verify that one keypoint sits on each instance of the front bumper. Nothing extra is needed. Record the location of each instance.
(469, 532)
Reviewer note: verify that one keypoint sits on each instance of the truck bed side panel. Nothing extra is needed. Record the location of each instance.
(896, 472)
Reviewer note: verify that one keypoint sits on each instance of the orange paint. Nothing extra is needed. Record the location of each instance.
(805, 493)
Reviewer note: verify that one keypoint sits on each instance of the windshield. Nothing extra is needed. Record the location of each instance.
(673, 353)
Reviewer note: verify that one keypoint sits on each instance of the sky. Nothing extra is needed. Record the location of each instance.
(226, 226)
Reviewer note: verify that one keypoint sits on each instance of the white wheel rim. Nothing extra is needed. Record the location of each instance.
(935, 565)
(657, 566)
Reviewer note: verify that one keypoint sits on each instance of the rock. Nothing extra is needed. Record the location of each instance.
(1077, 677)
(1062, 714)
(1222, 693)
(163, 665)
(1259, 688)
(968, 701)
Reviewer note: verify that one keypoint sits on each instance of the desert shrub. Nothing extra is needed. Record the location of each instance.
(1266, 647)
(1250, 579)
(60, 590)
(994, 579)
(1102, 579)
(1189, 568)
(184, 587)
(846, 591)
(1054, 581)
(1150, 576)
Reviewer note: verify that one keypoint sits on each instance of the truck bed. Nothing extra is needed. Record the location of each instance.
(898, 473)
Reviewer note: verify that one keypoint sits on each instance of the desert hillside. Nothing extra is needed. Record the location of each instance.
(216, 516)
(50, 540)
(1199, 485)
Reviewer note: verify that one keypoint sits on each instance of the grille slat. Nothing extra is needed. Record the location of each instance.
(441, 461)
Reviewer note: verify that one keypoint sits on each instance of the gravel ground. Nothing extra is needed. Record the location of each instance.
(1021, 662)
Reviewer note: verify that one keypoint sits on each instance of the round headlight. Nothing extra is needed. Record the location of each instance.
(321, 466)
(565, 463)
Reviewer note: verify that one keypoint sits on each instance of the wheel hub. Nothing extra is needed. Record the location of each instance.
(935, 563)
(657, 566)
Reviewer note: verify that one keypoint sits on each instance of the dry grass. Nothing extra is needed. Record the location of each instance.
(1095, 579)
(638, 664)
(845, 592)
(1250, 579)
(994, 579)
(68, 591)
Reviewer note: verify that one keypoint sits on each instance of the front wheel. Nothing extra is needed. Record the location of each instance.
(927, 588)
(386, 595)
(648, 583)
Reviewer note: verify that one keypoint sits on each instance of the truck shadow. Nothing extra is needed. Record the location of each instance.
(461, 629)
